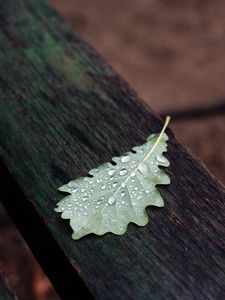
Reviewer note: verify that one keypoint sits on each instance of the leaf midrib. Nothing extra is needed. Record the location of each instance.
(133, 170)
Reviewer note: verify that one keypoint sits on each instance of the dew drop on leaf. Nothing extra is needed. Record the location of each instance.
(123, 172)
(115, 184)
(125, 158)
(112, 200)
(143, 168)
(123, 194)
(111, 172)
(72, 184)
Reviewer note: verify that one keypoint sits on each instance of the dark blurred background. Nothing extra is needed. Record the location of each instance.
(172, 52)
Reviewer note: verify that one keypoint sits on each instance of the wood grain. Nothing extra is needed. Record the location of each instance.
(6, 293)
(63, 111)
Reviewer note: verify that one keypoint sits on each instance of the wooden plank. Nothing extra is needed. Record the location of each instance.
(6, 293)
(63, 111)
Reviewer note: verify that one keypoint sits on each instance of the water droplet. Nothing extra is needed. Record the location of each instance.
(162, 160)
(72, 184)
(133, 174)
(123, 184)
(85, 214)
(143, 168)
(75, 190)
(112, 200)
(125, 158)
(85, 198)
(139, 197)
(115, 184)
(123, 172)
(98, 180)
(147, 191)
(123, 202)
(136, 188)
(69, 204)
(111, 172)
(82, 190)
(99, 202)
(103, 187)
(123, 194)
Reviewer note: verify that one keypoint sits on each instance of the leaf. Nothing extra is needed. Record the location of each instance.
(117, 194)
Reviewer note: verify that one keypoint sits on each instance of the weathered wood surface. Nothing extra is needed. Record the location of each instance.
(63, 111)
(6, 293)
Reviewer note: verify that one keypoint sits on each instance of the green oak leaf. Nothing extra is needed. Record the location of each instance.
(117, 194)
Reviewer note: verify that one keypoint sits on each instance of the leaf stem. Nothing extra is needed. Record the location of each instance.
(167, 120)
(159, 137)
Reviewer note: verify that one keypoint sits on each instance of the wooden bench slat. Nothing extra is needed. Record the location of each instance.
(63, 111)
(6, 293)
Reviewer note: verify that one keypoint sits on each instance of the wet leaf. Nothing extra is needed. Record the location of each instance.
(117, 194)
